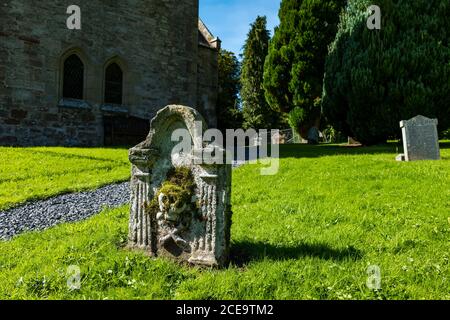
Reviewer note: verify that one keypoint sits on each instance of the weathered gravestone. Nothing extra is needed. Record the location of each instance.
(180, 208)
(313, 135)
(353, 142)
(420, 139)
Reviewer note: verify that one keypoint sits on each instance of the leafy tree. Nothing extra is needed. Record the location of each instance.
(228, 101)
(294, 68)
(375, 78)
(257, 113)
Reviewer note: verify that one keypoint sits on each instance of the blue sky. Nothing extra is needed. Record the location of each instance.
(230, 19)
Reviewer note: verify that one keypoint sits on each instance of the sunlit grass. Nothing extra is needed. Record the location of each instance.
(37, 173)
(309, 232)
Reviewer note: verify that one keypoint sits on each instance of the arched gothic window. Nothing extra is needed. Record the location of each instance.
(113, 84)
(73, 79)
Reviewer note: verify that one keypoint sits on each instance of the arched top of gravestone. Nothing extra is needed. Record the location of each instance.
(418, 121)
(159, 141)
(171, 118)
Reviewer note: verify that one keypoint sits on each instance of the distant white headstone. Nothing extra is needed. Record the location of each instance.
(420, 139)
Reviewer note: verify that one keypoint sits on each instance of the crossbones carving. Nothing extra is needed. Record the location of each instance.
(172, 219)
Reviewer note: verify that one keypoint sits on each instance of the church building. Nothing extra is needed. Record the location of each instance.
(100, 85)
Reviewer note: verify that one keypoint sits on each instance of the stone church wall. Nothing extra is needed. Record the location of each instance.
(155, 42)
(208, 83)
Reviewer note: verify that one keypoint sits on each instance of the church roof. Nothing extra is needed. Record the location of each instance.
(206, 38)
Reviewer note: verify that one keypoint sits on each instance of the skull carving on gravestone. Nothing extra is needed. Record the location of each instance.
(172, 221)
(176, 204)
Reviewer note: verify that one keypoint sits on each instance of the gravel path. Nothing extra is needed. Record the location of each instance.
(71, 207)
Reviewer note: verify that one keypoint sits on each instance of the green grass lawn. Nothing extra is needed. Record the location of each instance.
(310, 232)
(36, 173)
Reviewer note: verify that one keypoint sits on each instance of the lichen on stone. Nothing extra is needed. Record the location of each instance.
(178, 189)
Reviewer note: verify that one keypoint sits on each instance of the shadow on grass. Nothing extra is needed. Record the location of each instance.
(445, 145)
(321, 150)
(72, 155)
(309, 151)
(243, 252)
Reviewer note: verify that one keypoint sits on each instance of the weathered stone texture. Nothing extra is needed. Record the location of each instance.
(155, 41)
(208, 75)
(420, 139)
(208, 82)
(197, 229)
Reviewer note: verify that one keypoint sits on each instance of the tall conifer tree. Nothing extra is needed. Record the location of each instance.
(228, 101)
(294, 68)
(257, 113)
(376, 78)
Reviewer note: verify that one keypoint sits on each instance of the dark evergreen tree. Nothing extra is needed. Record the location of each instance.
(257, 113)
(294, 68)
(228, 101)
(375, 78)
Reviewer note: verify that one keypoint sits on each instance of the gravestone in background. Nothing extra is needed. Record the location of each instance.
(313, 135)
(179, 208)
(420, 139)
(353, 142)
